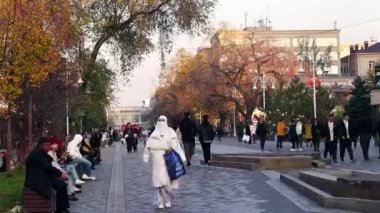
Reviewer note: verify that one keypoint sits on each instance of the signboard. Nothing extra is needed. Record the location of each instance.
(377, 76)
(375, 97)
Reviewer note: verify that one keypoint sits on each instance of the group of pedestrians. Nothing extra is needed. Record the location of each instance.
(337, 136)
(205, 133)
(51, 166)
(335, 133)
(131, 133)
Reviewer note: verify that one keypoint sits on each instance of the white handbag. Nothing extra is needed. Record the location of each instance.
(245, 138)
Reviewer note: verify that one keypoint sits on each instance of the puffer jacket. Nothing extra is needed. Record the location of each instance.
(281, 128)
(73, 146)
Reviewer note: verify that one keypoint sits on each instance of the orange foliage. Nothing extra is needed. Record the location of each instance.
(34, 36)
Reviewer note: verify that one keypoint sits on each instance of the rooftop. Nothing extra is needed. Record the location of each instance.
(375, 48)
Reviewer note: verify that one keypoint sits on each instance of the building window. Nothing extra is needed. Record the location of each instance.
(371, 65)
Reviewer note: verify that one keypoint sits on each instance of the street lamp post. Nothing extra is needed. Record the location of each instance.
(263, 79)
(233, 94)
(79, 83)
(314, 70)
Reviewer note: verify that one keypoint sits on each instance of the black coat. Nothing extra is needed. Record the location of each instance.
(316, 130)
(206, 133)
(343, 130)
(292, 132)
(326, 132)
(39, 172)
(261, 130)
(188, 130)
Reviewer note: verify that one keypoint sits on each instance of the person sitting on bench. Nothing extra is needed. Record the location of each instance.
(41, 176)
(73, 150)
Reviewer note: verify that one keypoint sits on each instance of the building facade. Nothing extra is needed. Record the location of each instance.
(361, 59)
(288, 39)
(116, 116)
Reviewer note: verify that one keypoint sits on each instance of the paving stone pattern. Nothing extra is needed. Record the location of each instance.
(204, 190)
(93, 198)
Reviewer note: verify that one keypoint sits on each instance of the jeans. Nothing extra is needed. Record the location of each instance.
(85, 163)
(189, 150)
(280, 139)
(71, 170)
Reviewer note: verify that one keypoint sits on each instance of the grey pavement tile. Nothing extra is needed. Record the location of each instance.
(94, 193)
(204, 189)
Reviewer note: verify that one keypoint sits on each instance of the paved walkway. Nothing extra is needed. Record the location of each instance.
(95, 193)
(124, 185)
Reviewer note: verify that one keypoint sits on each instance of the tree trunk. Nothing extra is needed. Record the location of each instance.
(30, 127)
(105, 36)
(9, 140)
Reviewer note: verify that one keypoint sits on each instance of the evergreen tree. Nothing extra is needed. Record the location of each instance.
(359, 107)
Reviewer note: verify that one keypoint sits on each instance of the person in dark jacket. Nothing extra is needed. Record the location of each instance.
(41, 176)
(261, 132)
(293, 136)
(331, 134)
(247, 131)
(206, 136)
(365, 134)
(188, 130)
(316, 132)
(345, 137)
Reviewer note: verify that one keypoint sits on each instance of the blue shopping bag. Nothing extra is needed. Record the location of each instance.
(174, 165)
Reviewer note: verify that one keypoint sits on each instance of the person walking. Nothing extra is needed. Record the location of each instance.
(293, 136)
(206, 136)
(316, 134)
(299, 131)
(188, 131)
(162, 140)
(247, 131)
(308, 133)
(219, 131)
(365, 135)
(261, 132)
(281, 128)
(345, 133)
(331, 135)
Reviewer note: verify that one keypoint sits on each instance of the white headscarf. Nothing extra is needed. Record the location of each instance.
(162, 128)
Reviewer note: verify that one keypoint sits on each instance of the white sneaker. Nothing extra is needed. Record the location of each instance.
(300, 149)
(161, 206)
(85, 177)
(168, 205)
(79, 182)
(292, 150)
(76, 189)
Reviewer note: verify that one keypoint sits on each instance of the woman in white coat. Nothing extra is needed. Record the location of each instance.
(162, 139)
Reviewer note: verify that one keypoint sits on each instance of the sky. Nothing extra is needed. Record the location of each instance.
(349, 15)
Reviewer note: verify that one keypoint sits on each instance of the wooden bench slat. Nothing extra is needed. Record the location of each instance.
(33, 202)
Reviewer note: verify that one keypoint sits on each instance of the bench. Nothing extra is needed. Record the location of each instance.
(35, 203)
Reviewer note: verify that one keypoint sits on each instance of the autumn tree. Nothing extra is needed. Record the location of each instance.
(33, 35)
(236, 61)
